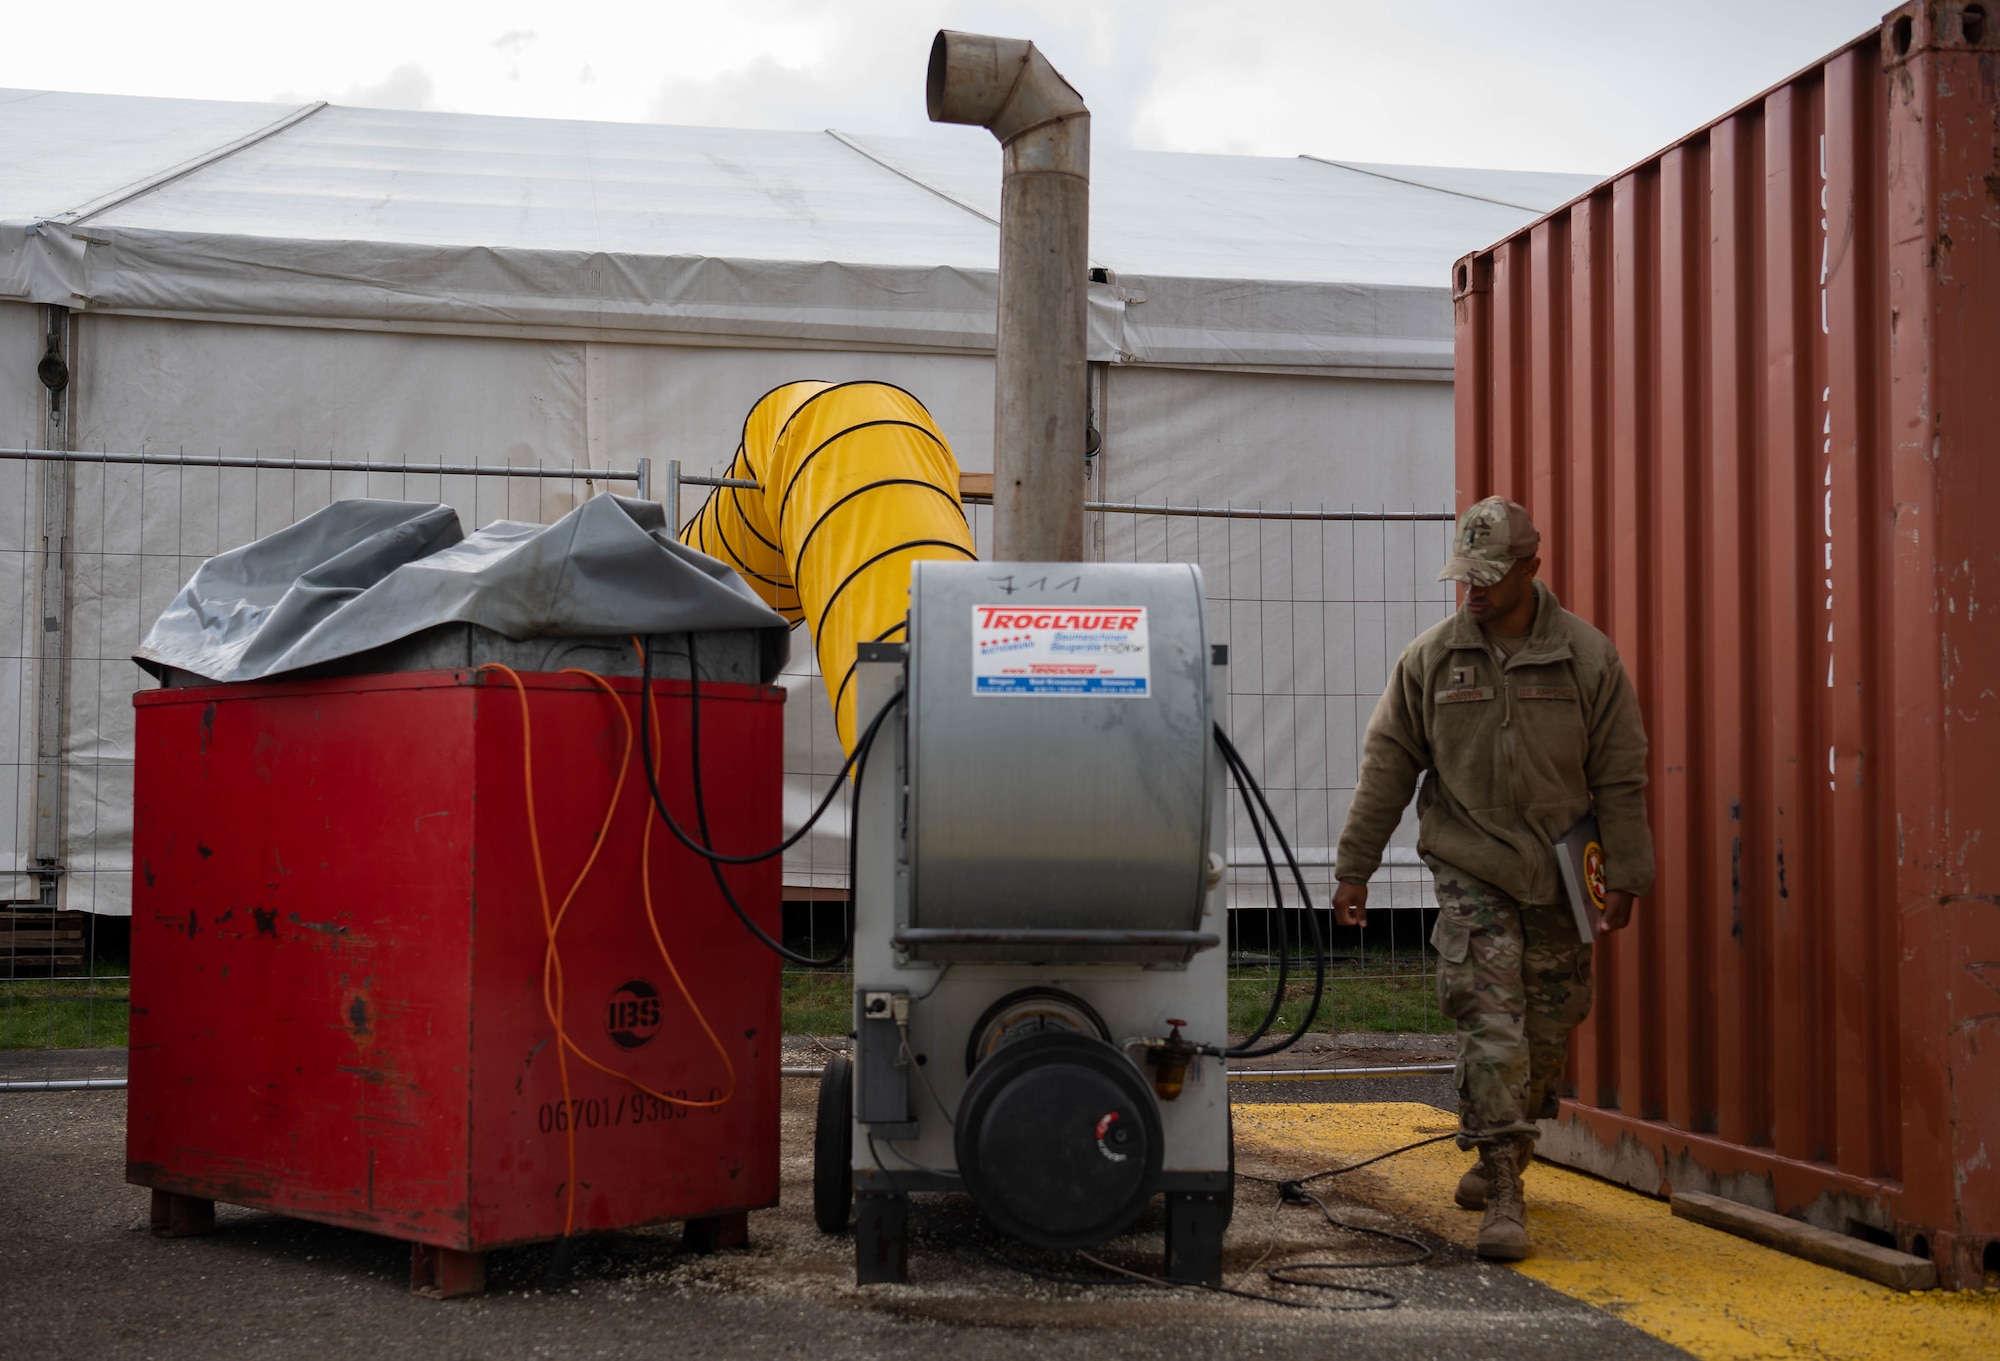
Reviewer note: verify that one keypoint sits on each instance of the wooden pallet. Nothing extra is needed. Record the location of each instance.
(38, 941)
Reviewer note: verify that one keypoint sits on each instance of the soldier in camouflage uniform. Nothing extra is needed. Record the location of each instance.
(1519, 719)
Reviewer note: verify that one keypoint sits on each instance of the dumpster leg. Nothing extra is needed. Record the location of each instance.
(715, 1232)
(179, 1216)
(446, 1273)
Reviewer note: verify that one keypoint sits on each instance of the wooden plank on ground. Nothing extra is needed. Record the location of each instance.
(1884, 1266)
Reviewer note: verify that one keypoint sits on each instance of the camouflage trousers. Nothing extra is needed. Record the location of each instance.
(1516, 979)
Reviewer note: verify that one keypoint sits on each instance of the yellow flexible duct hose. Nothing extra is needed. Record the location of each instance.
(854, 483)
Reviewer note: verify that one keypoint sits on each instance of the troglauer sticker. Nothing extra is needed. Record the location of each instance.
(1073, 650)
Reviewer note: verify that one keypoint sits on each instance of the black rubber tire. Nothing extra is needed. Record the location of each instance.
(833, 1147)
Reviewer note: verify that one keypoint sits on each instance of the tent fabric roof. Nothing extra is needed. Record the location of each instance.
(332, 215)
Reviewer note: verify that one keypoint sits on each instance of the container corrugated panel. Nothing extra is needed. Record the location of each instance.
(1750, 389)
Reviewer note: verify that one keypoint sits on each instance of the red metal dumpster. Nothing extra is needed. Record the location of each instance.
(1751, 387)
(339, 958)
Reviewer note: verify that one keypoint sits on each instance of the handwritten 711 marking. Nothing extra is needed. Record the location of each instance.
(1006, 583)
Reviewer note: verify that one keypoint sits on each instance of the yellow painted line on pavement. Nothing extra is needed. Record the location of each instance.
(1711, 1293)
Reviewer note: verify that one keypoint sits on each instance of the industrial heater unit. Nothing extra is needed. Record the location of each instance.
(1038, 917)
(1040, 992)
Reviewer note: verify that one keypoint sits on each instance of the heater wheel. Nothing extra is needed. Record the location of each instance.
(1059, 1140)
(833, 1147)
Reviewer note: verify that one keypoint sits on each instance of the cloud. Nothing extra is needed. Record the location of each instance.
(510, 45)
(762, 94)
(1549, 84)
(860, 67)
(409, 86)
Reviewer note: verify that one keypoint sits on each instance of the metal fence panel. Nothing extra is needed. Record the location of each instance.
(109, 539)
(1313, 603)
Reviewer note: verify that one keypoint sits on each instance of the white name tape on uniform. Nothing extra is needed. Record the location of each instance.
(1036, 650)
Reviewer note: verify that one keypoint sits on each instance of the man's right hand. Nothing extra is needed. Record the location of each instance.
(1350, 904)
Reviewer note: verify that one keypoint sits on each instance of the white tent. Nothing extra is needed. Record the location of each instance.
(326, 282)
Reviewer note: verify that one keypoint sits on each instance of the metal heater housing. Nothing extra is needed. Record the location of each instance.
(1018, 837)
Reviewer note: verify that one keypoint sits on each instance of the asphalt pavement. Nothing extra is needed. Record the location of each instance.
(86, 1278)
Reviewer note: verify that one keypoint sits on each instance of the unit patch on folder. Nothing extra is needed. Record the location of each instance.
(1580, 858)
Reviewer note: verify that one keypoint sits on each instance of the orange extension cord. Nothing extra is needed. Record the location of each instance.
(553, 993)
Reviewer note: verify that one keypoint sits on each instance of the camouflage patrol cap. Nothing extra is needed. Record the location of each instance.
(1492, 536)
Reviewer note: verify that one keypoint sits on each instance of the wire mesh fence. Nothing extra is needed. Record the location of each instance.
(1314, 605)
(92, 548)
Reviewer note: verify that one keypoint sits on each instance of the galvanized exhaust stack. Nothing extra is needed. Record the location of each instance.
(1040, 404)
(1051, 801)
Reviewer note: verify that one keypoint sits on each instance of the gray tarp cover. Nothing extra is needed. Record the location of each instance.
(363, 573)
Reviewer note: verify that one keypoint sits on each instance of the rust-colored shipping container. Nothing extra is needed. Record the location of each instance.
(1750, 389)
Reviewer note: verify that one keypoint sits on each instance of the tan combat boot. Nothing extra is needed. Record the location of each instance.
(1471, 1193)
(1503, 1234)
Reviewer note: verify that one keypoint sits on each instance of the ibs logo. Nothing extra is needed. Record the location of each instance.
(632, 1017)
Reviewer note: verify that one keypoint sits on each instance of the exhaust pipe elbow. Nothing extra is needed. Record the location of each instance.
(1008, 87)
(1040, 414)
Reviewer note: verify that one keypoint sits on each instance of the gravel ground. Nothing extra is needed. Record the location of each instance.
(87, 1279)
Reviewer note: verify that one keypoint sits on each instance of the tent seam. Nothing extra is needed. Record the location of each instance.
(104, 203)
(927, 187)
(901, 173)
(1419, 184)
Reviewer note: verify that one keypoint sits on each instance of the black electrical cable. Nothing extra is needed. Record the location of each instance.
(1235, 759)
(1290, 1192)
(701, 822)
(858, 761)
(701, 847)
(1244, 1049)
(1298, 877)
(1301, 1182)
(1380, 1299)
(1293, 1193)
(1246, 781)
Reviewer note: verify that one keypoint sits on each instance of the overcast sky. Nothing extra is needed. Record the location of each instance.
(1533, 84)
